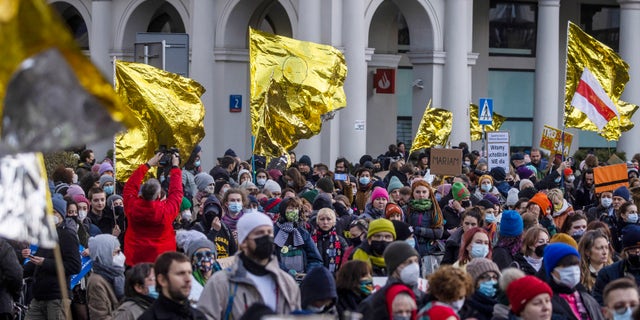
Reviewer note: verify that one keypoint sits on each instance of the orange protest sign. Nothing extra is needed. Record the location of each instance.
(609, 178)
(552, 140)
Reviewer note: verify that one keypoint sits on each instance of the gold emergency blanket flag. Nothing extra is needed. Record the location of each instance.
(476, 129)
(169, 109)
(294, 86)
(31, 27)
(25, 201)
(434, 128)
(584, 51)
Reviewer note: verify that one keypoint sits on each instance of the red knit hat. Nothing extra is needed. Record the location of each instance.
(523, 290)
(391, 294)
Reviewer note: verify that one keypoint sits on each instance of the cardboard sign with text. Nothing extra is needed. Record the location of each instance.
(446, 162)
(552, 140)
(498, 149)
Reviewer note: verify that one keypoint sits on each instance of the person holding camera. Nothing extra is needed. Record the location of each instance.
(150, 231)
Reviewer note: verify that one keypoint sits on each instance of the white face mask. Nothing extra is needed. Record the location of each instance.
(261, 181)
(606, 202)
(75, 178)
(210, 189)
(119, 259)
(56, 220)
(82, 214)
(410, 274)
(186, 215)
(569, 276)
(457, 305)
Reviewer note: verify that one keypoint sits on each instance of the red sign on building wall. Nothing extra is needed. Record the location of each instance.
(384, 81)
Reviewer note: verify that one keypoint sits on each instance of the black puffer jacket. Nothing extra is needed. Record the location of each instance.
(10, 277)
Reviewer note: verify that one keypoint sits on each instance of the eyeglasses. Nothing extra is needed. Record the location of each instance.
(203, 254)
(488, 276)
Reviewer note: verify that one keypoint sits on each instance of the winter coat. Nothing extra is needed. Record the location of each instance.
(452, 219)
(424, 232)
(233, 285)
(167, 309)
(478, 306)
(561, 308)
(612, 272)
(311, 256)
(452, 247)
(10, 277)
(150, 222)
(132, 308)
(46, 286)
(348, 300)
(101, 298)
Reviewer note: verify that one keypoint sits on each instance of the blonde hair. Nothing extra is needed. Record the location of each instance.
(327, 211)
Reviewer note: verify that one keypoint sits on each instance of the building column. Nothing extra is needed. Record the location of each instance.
(456, 93)
(101, 38)
(629, 48)
(309, 17)
(202, 70)
(353, 124)
(547, 77)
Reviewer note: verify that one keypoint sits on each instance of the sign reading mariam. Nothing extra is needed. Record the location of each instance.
(447, 162)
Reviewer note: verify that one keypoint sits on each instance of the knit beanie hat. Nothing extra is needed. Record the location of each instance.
(81, 198)
(622, 192)
(104, 179)
(75, 189)
(381, 225)
(524, 172)
(59, 205)
(564, 238)
(272, 186)
(554, 252)
(325, 184)
(403, 230)
(322, 201)
(485, 176)
(185, 237)
(525, 183)
(275, 174)
(527, 193)
(250, 221)
(199, 244)
(631, 236)
(394, 183)
(485, 203)
(491, 198)
(113, 198)
(498, 174)
(511, 224)
(105, 167)
(379, 193)
(272, 205)
(390, 295)
(459, 191)
(310, 195)
(305, 160)
(392, 209)
(202, 180)
(523, 290)
(241, 172)
(542, 201)
(186, 204)
(247, 185)
(396, 253)
(444, 189)
(512, 197)
(479, 266)
(230, 153)
(317, 285)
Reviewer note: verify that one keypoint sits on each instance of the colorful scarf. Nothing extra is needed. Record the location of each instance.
(287, 228)
(333, 251)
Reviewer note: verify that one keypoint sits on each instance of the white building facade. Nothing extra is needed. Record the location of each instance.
(452, 52)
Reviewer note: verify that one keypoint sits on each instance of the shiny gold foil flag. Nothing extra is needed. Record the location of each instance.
(30, 28)
(611, 72)
(169, 109)
(476, 129)
(294, 86)
(434, 128)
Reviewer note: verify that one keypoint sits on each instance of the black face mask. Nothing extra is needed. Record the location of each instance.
(355, 241)
(378, 246)
(118, 210)
(264, 247)
(465, 203)
(634, 260)
(540, 250)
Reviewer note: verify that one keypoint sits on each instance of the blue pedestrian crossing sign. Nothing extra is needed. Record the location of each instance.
(485, 112)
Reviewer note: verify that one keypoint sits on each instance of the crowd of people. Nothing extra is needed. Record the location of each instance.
(381, 238)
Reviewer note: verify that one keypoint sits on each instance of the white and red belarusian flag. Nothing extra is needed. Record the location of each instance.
(591, 99)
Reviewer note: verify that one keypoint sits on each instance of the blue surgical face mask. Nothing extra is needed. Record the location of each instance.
(411, 241)
(632, 217)
(488, 288)
(152, 291)
(364, 180)
(490, 218)
(486, 187)
(479, 250)
(438, 197)
(626, 315)
(108, 190)
(234, 207)
(606, 202)
(557, 180)
(196, 163)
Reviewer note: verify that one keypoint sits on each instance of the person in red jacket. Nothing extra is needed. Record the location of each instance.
(150, 219)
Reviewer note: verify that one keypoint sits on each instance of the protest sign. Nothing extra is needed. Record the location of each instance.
(446, 162)
(498, 149)
(552, 140)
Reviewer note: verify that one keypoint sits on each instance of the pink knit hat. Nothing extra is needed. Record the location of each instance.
(379, 193)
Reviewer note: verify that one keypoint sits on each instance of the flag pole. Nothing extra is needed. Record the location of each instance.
(114, 60)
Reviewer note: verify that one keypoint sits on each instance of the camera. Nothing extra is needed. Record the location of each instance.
(167, 153)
